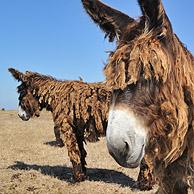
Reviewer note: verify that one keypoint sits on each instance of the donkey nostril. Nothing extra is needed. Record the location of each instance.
(126, 146)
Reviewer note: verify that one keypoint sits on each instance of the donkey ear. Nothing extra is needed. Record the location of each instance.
(110, 20)
(16, 74)
(155, 14)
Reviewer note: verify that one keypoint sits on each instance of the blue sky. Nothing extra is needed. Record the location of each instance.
(56, 37)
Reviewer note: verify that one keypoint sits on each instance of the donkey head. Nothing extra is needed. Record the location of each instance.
(28, 104)
(137, 71)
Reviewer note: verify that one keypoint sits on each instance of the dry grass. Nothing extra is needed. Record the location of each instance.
(31, 164)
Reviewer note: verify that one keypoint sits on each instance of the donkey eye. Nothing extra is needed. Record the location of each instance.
(168, 128)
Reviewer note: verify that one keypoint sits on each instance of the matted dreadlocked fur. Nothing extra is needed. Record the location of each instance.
(75, 107)
(156, 69)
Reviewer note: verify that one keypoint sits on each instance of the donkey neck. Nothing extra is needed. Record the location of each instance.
(45, 90)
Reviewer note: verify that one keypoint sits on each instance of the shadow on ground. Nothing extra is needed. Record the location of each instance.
(65, 173)
(52, 144)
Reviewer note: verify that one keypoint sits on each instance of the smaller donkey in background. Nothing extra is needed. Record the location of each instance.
(75, 107)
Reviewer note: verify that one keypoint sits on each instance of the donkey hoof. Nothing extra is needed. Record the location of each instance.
(60, 143)
(80, 177)
(143, 186)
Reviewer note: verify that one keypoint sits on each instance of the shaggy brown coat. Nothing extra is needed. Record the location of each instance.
(75, 107)
(152, 63)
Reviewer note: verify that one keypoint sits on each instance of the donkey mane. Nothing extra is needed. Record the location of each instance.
(40, 77)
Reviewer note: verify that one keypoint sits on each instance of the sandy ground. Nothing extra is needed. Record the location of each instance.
(31, 163)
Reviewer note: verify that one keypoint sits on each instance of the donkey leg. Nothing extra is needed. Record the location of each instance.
(80, 139)
(57, 132)
(169, 187)
(91, 133)
(191, 170)
(73, 151)
(173, 180)
(145, 180)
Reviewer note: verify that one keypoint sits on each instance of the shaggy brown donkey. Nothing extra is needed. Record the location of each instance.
(152, 77)
(75, 106)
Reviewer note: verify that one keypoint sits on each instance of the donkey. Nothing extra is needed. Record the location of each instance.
(151, 74)
(75, 107)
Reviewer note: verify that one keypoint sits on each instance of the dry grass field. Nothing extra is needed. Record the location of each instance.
(30, 163)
